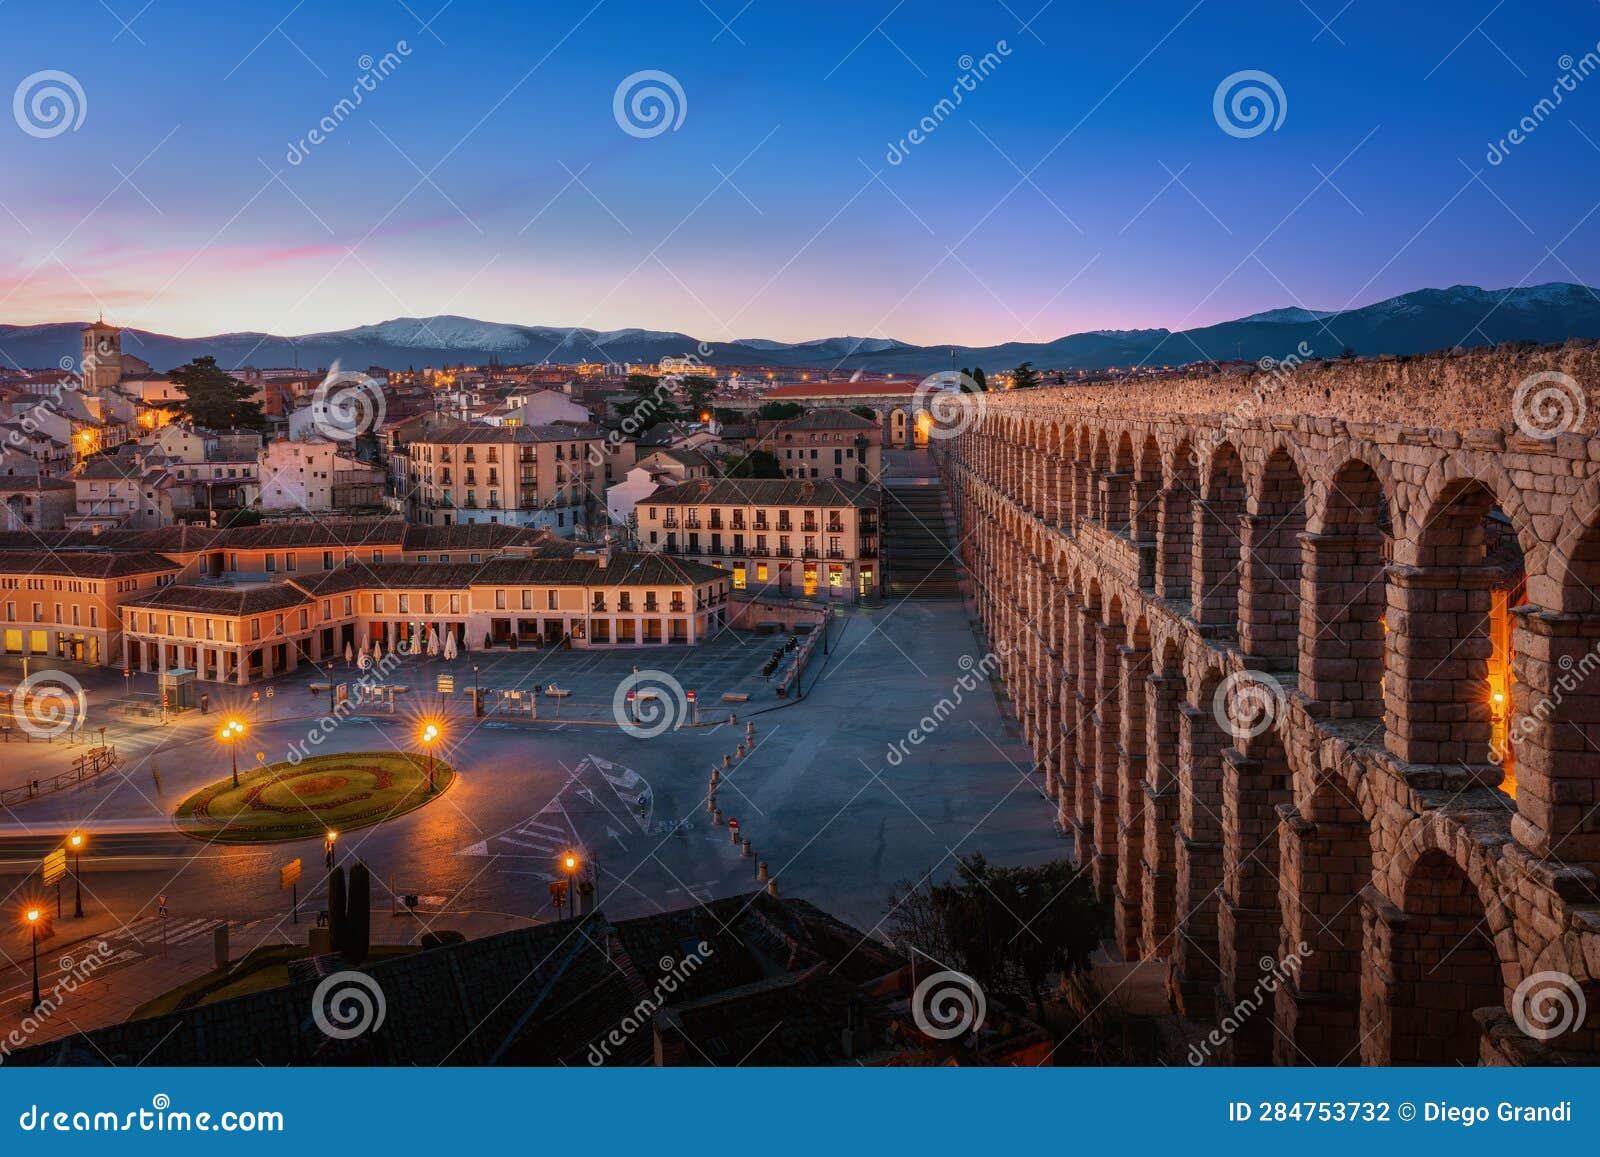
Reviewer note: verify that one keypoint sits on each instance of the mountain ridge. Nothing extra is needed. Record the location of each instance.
(1415, 322)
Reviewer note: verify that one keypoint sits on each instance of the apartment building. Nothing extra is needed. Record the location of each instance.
(550, 477)
(829, 444)
(818, 539)
(588, 599)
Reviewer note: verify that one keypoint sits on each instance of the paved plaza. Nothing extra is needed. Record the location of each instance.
(836, 802)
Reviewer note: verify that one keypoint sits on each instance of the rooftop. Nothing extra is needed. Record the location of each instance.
(768, 492)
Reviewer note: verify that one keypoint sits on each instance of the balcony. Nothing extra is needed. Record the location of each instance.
(808, 527)
(785, 552)
(784, 525)
(738, 524)
(835, 527)
(837, 554)
(670, 523)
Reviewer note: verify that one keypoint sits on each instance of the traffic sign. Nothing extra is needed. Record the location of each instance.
(447, 685)
(289, 873)
(54, 866)
(161, 905)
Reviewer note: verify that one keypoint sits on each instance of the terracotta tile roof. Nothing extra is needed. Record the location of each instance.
(467, 433)
(767, 492)
(84, 564)
(798, 391)
(223, 600)
(831, 419)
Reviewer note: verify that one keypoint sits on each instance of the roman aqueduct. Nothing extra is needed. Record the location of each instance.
(1309, 660)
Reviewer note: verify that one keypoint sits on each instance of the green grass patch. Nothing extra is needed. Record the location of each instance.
(285, 801)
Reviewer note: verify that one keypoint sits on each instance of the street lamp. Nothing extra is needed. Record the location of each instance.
(34, 916)
(328, 841)
(570, 865)
(430, 735)
(232, 731)
(76, 841)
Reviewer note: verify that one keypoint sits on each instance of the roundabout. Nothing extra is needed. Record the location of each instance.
(287, 801)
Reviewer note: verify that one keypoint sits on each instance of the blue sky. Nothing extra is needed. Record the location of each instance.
(1084, 183)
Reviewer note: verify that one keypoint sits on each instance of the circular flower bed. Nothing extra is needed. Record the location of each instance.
(286, 801)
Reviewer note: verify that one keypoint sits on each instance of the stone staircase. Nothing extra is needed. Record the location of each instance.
(918, 545)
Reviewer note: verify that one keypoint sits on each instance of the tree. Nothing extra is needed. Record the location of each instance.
(337, 907)
(1007, 928)
(1024, 377)
(780, 411)
(697, 393)
(651, 407)
(755, 464)
(977, 376)
(866, 412)
(214, 399)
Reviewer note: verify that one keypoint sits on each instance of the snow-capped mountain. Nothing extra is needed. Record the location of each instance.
(1427, 319)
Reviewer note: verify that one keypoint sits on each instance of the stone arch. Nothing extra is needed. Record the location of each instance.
(1440, 646)
(1442, 966)
(1345, 595)
(1163, 707)
(1554, 702)
(1218, 551)
(1270, 584)
(1175, 532)
(1146, 503)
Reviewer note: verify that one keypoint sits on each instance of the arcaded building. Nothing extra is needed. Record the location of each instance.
(1309, 661)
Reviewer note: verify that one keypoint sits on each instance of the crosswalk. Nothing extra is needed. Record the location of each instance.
(600, 803)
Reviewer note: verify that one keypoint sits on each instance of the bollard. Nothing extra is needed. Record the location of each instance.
(772, 886)
(733, 833)
(730, 717)
(738, 752)
(727, 761)
(749, 730)
(745, 850)
(716, 817)
(716, 774)
(761, 871)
